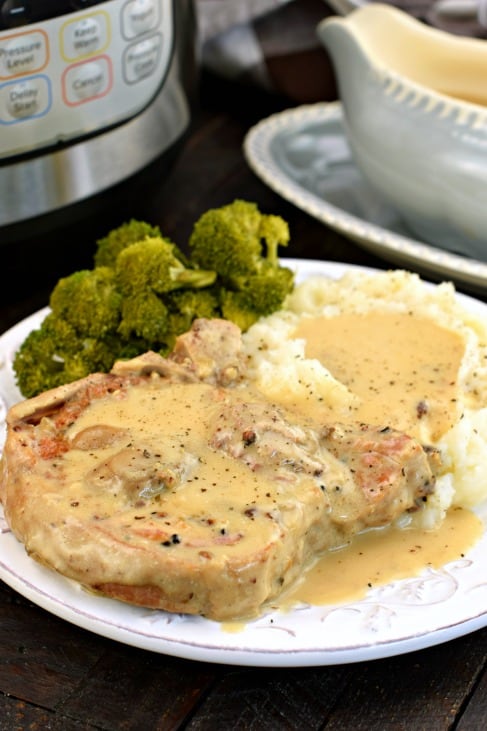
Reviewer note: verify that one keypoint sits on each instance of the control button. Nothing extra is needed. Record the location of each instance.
(87, 81)
(23, 53)
(85, 36)
(24, 99)
(139, 16)
(141, 59)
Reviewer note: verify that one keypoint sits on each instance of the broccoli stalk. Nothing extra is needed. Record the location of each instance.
(151, 265)
(275, 232)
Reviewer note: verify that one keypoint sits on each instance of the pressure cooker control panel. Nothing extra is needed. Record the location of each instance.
(69, 68)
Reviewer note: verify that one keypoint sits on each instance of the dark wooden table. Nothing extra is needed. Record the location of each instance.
(54, 675)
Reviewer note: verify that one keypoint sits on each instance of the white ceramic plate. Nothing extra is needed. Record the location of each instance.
(303, 155)
(400, 617)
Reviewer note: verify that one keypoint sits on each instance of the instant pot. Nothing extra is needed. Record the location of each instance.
(91, 93)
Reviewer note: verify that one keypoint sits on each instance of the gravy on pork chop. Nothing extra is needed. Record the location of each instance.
(173, 483)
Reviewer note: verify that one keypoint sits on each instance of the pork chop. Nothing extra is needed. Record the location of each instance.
(172, 483)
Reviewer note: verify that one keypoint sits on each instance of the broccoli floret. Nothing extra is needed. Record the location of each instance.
(89, 301)
(234, 307)
(109, 247)
(230, 240)
(264, 293)
(151, 264)
(241, 244)
(55, 354)
(186, 305)
(144, 315)
(143, 292)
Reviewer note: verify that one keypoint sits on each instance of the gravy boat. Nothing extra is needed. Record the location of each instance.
(415, 114)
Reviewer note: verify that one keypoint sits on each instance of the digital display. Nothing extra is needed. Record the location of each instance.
(17, 13)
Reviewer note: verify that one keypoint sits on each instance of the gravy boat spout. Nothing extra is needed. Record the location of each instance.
(415, 114)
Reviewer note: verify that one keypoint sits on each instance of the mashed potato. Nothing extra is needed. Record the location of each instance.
(278, 361)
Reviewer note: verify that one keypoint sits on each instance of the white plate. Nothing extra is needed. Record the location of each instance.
(400, 617)
(303, 155)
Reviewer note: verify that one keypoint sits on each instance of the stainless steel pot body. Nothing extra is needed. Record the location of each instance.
(135, 127)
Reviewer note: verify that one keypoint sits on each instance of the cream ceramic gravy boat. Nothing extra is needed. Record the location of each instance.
(415, 115)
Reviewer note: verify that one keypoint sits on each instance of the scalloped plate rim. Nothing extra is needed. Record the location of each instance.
(389, 245)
